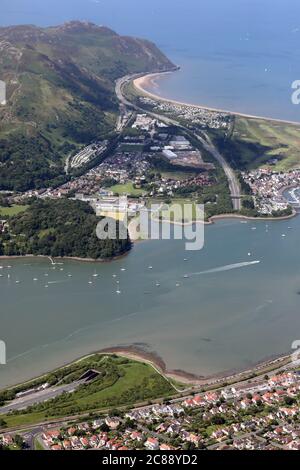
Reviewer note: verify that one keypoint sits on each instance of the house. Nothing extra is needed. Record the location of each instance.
(97, 423)
(136, 436)
(152, 443)
(67, 444)
(51, 436)
(162, 427)
(83, 427)
(166, 447)
(71, 431)
(7, 440)
(287, 412)
(226, 394)
(218, 434)
(112, 423)
(268, 397)
(199, 401)
(85, 442)
(256, 399)
(173, 428)
(279, 395)
(189, 403)
(75, 442)
(211, 397)
(245, 403)
(278, 431)
(94, 441)
(56, 447)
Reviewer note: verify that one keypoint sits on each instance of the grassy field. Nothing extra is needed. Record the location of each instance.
(132, 147)
(121, 382)
(38, 445)
(126, 189)
(181, 210)
(256, 142)
(13, 210)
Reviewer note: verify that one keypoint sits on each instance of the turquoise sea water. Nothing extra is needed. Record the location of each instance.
(240, 55)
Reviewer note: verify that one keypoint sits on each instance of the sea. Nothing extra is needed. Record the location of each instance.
(238, 55)
(222, 308)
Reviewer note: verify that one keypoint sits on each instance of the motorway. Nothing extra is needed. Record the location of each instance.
(39, 397)
(233, 182)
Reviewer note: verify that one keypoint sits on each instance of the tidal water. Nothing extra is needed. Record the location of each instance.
(241, 301)
(238, 55)
(239, 304)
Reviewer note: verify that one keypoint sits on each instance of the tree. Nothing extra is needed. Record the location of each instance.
(3, 423)
(18, 440)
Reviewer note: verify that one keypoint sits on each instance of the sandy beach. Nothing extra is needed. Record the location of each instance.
(142, 84)
(233, 376)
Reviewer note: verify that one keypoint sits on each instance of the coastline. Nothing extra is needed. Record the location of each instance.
(141, 84)
(189, 379)
(69, 258)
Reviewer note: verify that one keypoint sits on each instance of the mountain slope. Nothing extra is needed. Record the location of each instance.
(60, 94)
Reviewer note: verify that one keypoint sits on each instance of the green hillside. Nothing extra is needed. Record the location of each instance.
(60, 94)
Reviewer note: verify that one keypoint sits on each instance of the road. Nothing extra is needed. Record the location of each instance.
(39, 397)
(233, 182)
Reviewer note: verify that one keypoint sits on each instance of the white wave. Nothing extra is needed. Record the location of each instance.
(56, 282)
(228, 267)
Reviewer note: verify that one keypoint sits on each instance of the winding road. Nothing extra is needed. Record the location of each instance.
(205, 140)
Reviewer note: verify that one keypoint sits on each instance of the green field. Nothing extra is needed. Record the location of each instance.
(132, 148)
(13, 210)
(180, 210)
(256, 142)
(121, 382)
(126, 189)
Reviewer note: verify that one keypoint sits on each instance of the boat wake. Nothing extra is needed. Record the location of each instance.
(228, 267)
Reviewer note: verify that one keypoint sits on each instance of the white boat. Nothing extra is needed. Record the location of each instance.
(186, 276)
(35, 279)
(150, 267)
(118, 292)
(123, 269)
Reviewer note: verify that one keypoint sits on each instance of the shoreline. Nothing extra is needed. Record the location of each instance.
(189, 378)
(141, 84)
(68, 258)
(193, 380)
